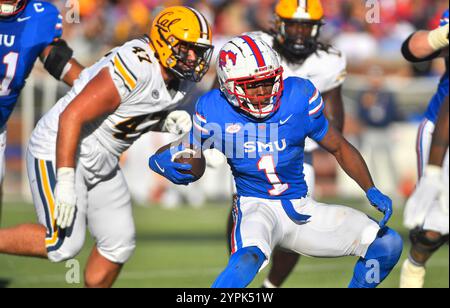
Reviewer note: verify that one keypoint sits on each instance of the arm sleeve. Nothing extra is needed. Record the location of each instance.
(200, 132)
(51, 22)
(318, 123)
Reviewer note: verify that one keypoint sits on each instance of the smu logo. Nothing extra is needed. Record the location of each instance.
(7, 40)
(261, 147)
(224, 56)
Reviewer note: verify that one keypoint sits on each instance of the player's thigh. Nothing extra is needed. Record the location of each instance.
(110, 218)
(332, 231)
(61, 244)
(2, 153)
(255, 224)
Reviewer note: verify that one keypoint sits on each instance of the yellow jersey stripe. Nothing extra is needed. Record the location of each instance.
(125, 74)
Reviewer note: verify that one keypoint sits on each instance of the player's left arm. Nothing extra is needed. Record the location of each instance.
(348, 158)
(58, 61)
(320, 130)
(354, 165)
(334, 108)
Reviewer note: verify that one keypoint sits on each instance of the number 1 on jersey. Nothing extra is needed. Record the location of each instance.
(10, 60)
(267, 164)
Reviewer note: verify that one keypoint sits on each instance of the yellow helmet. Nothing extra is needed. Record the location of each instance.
(297, 27)
(309, 10)
(175, 32)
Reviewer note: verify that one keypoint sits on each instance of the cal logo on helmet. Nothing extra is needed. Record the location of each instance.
(178, 31)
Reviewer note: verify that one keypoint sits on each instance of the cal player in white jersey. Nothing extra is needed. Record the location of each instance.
(73, 155)
(295, 37)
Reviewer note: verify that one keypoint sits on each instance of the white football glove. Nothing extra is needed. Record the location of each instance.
(438, 38)
(65, 197)
(428, 191)
(178, 122)
(214, 158)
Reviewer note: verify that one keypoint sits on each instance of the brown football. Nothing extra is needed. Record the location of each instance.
(190, 157)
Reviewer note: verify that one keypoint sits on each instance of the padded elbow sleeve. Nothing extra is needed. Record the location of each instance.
(407, 54)
(57, 61)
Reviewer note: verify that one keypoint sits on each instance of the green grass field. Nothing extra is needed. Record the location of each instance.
(185, 248)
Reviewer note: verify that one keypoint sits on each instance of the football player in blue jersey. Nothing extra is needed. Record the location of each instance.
(29, 30)
(260, 122)
(426, 212)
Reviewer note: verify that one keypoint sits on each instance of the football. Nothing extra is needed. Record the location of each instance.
(191, 157)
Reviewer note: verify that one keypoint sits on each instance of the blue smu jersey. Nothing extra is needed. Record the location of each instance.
(23, 38)
(266, 157)
(442, 91)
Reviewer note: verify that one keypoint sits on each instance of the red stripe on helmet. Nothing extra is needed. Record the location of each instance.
(256, 51)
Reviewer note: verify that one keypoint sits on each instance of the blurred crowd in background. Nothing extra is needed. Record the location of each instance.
(384, 95)
(107, 23)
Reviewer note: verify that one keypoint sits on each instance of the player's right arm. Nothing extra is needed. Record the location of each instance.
(99, 97)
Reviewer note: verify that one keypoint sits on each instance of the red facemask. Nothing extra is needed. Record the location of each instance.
(259, 105)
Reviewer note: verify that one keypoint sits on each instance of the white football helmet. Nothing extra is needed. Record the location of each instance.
(245, 61)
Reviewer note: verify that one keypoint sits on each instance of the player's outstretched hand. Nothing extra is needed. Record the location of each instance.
(65, 197)
(163, 164)
(428, 190)
(382, 202)
(178, 122)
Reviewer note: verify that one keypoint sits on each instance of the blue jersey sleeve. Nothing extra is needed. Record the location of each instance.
(51, 21)
(318, 123)
(201, 133)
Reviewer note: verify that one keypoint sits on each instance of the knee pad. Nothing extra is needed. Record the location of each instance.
(249, 256)
(387, 248)
(119, 254)
(242, 268)
(425, 244)
(386, 251)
